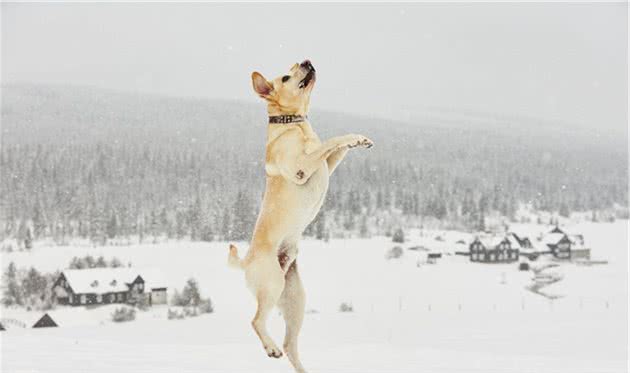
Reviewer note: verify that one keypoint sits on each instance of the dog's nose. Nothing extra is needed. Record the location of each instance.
(307, 64)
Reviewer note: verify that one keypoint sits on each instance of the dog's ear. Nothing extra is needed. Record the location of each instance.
(261, 85)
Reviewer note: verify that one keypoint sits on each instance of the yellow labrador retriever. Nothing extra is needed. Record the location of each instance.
(298, 166)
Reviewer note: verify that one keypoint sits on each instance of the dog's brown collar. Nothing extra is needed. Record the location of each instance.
(286, 119)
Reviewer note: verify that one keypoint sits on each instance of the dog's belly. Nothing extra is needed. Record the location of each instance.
(288, 208)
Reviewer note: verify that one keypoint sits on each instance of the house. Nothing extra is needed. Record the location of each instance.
(433, 257)
(45, 322)
(493, 249)
(92, 286)
(558, 243)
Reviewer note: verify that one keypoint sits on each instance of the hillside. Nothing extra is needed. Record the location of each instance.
(92, 162)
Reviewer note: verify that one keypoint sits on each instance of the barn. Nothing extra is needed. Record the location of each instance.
(493, 249)
(80, 287)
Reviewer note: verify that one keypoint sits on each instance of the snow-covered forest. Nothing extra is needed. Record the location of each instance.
(103, 165)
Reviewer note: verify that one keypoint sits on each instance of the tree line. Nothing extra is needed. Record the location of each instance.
(111, 167)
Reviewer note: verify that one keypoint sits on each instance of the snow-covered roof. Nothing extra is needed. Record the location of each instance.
(577, 240)
(110, 280)
(553, 238)
(513, 241)
(490, 242)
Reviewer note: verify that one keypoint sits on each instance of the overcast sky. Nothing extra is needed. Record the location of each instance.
(565, 62)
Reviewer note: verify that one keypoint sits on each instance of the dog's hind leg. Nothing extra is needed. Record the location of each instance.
(291, 304)
(267, 280)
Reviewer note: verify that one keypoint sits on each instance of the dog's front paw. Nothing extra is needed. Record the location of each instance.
(361, 141)
(273, 351)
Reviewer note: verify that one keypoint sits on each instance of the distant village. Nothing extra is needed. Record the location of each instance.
(91, 287)
(100, 286)
(510, 247)
(558, 244)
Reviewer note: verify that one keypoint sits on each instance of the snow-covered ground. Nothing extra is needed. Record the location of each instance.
(453, 316)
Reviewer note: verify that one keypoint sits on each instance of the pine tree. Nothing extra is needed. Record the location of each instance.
(399, 236)
(364, 231)
(243, 223)
(349, 222)
(28, 238)
(11, 294)
(320, 226)
(112, 226)
(39, 225)
(180, 225)
(226, 225)
(190, 295)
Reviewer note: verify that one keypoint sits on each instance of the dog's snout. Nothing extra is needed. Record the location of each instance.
(307, 64)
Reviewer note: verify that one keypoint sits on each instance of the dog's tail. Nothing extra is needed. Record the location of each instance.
(233, 260)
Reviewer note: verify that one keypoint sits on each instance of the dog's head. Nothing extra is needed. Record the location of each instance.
(289, 93)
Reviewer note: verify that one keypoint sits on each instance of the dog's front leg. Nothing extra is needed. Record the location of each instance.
(299, 167)
(335, 158)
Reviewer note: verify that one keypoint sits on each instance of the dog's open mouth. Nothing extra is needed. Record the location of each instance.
(310, 75)
(307, 79)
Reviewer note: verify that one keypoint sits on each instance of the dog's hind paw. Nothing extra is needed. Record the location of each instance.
(273, 351)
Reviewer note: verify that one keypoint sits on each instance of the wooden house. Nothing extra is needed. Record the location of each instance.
(495, 249)
(79, 287)
(558, 243)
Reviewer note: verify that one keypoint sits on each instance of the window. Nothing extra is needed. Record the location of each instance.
(83, 300)
(99, 298)
(119, 297)
(71, 299)
(112, 298)
(141, 287)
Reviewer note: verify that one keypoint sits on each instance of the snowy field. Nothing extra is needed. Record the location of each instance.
(453, 316)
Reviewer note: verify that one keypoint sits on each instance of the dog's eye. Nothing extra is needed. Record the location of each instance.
(285, 78)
